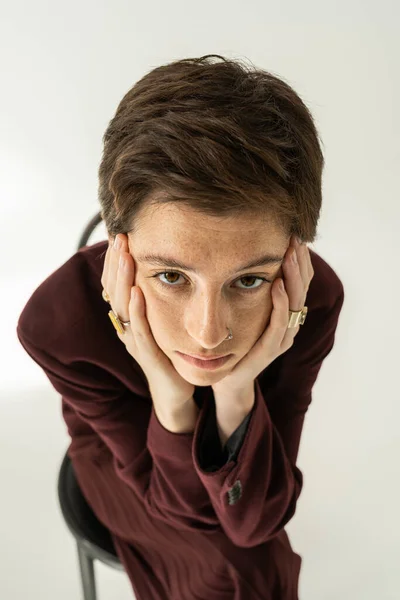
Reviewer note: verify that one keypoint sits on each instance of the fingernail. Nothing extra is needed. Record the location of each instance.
(281, 285)
(294, 257)
(117, 243)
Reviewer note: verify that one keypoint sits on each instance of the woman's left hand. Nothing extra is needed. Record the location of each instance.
(277, 338)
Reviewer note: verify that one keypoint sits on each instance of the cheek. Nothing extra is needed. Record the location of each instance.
(162, 314)
(252, 323)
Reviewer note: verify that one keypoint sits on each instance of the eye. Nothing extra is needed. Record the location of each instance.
(246, 289)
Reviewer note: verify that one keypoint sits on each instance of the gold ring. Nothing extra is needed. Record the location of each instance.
(116, 322)
(297, 317)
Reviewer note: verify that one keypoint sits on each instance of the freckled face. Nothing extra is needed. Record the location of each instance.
(189, 311)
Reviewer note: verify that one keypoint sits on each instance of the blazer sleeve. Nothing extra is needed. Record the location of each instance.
(255, 496)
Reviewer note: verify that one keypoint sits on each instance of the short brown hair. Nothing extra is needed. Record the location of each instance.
(219, 137)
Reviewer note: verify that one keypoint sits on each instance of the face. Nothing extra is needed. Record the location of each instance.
(189, 311)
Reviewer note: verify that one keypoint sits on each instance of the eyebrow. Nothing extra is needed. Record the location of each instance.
(168, 261)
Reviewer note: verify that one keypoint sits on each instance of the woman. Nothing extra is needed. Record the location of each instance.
(210, 188)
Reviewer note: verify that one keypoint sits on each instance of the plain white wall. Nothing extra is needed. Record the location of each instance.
(64, 69)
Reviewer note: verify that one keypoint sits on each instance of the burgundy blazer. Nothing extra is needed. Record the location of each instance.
(242, 496)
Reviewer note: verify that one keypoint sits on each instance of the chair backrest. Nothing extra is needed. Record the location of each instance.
(90, 227)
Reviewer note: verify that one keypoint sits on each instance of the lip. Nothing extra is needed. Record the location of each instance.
(205, 364)
(205, 357)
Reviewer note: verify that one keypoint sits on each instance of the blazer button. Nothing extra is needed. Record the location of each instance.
(235, 493)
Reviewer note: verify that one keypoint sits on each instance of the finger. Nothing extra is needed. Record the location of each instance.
(280, 315)
(306, 269)
(294, 284)
(301, 252)
(104, 276)
(309, 264)
(287, 334)
(113, 270)
(124, 281)
(140, 328)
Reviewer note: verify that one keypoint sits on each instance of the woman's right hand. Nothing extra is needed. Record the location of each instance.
(166, 385)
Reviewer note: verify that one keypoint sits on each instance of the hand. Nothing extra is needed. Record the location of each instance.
(277, 338)
(164, 381)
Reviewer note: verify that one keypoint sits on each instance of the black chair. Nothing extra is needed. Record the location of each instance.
(93, 539)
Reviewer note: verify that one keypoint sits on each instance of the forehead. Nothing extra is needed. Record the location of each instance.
(176, 226)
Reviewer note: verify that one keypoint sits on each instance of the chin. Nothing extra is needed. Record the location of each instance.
(202, 380)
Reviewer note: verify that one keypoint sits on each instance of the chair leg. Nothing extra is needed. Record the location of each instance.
(87, 574)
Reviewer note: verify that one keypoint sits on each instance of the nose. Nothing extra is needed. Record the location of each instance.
(208, 323)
